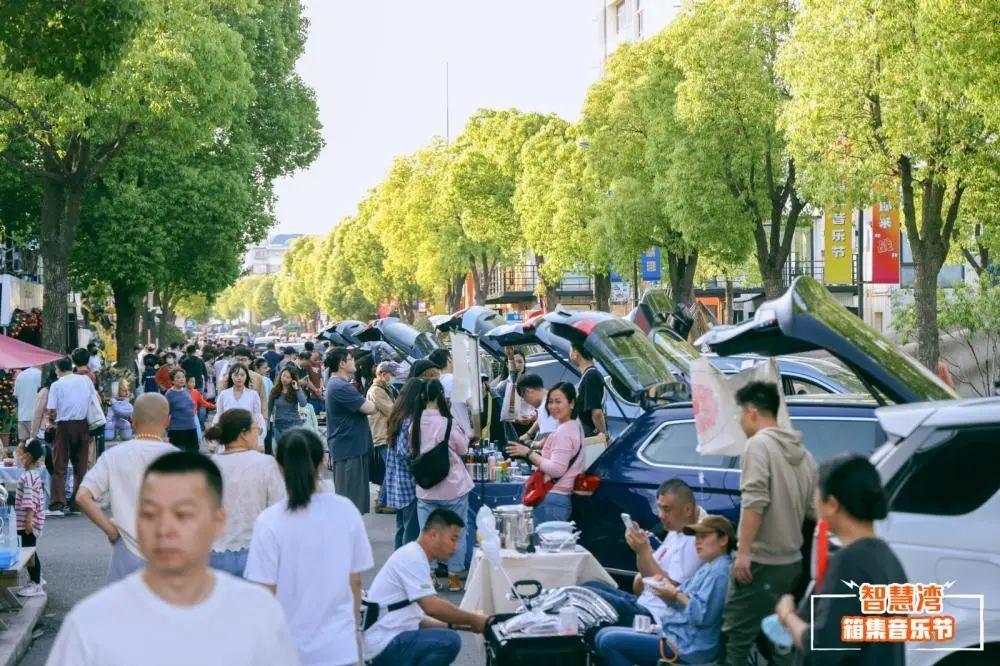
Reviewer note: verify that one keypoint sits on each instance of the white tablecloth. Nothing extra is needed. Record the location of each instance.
(486, 588)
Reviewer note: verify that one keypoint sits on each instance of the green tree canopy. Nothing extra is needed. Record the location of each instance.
(914, 110)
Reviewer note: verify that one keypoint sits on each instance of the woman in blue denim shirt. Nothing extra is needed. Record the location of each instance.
(692, 625)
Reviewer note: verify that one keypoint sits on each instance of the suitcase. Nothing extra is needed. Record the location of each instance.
(534, 650)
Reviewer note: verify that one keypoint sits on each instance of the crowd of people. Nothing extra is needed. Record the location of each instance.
(219, 476)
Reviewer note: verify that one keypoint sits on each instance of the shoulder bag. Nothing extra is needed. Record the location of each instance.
(431, 468)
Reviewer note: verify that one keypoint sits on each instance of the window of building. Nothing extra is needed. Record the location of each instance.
(638, 20)
(260, 254)
(623, 19)
(956, 473)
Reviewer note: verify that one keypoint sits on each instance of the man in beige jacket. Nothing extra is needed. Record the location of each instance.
(778, 479)
(242, 355)
(380, 394)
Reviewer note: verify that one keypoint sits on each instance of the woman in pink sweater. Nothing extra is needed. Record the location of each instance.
(561, 456)
(432, 415)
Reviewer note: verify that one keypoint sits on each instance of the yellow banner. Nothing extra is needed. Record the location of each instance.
(838, 236)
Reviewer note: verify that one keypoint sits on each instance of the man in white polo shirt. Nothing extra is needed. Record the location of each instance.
(414, 625)
(70, 397)
(117, 477)
(676, 559)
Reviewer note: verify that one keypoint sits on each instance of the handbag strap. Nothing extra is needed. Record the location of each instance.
(571, 461)
(447, 432)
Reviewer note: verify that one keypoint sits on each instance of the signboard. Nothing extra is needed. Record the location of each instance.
(838, 239)
(885, 243)
(651, 265)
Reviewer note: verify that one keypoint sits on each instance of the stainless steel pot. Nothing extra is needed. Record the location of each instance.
(515, 525)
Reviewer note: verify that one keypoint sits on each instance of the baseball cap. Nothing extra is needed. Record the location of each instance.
(712, 523)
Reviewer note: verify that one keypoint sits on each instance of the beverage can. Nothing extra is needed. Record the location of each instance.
(568, 623)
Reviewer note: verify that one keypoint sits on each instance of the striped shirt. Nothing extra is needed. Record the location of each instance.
(30, 496)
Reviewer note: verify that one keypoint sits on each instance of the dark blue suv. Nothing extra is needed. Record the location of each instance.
(660, 443)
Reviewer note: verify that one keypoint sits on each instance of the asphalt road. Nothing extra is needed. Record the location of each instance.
(75, 556)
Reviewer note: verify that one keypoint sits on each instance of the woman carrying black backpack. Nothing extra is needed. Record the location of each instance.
(432, 426)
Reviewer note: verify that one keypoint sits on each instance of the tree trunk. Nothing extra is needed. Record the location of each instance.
(550, 290)
(925, 294)
(727, 306)
(479, 282)
(680, 273)
(453, 293)
(774, 285)
(59, 218)
(126, 323)
(602, 292)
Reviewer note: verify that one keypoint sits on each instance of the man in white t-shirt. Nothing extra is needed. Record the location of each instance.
(415, 625)
(177, 610)
(26, 388)
(676, 559)
(532, 391)
(116, 479)
(70, 398)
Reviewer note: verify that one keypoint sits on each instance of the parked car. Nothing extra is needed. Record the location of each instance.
(410, 343)
(941, 468)
(661, 444)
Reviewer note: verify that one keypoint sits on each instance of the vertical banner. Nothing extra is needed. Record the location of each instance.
(651, 265)
(838, 236)
(885, 242)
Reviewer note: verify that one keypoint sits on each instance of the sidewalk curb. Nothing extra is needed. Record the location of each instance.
(14, 642)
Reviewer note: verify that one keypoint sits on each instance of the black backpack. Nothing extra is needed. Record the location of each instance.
(431, 468)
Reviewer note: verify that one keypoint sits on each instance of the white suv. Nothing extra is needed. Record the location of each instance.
(941, 468)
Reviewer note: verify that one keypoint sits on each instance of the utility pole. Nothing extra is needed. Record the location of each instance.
(635, 283)
(447, 105)
(861, 264)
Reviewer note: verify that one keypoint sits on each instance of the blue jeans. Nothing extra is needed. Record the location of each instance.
(230, 561)
(625, 604)
(407, 525)
(421, 647)
(618, 646)
(555, 506)
(278, 427)
(456, 564)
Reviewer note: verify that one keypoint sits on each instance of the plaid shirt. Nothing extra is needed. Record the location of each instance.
(398, 489)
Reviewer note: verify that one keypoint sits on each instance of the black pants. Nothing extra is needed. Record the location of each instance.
(185, 440)
(35, 565)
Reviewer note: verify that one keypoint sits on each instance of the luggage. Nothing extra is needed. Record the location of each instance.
(534, 650)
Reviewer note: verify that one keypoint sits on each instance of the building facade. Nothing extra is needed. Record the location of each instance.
(265, 258)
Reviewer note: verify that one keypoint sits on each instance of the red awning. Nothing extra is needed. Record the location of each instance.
(17, 354)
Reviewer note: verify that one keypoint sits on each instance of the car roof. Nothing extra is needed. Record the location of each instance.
(901, 420)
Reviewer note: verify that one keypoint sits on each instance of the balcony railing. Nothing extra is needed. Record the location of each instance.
(792, 270)
(518, 283)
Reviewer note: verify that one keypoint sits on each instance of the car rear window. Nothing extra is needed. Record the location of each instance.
(827, 437)
(675, 444)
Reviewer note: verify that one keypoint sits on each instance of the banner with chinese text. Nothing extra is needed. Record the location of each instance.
(885, 242)
(838, 237)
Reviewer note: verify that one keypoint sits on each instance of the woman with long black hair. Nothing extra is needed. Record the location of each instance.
(399, 491)
(310, 550)
(429, 427)
(849, 497)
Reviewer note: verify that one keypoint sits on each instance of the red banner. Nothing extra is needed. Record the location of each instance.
(885, 243)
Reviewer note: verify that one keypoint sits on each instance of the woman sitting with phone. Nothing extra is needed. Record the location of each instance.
(690, 629)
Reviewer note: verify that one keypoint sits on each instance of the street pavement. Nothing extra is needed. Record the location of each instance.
(75, 555)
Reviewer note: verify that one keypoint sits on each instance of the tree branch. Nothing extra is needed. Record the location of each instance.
(909, 211)
(952, 217)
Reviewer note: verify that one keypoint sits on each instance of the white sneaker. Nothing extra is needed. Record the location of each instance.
(31, 590)
(49, 513)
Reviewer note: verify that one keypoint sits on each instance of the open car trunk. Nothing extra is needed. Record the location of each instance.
(408, 341)
(807, 318)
